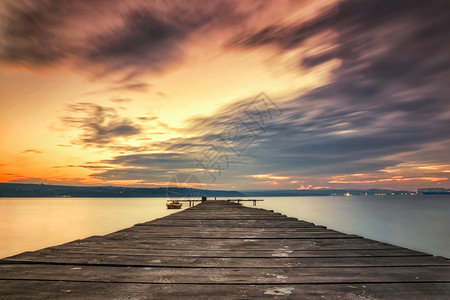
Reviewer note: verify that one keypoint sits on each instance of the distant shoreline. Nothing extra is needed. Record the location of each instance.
(20, 190)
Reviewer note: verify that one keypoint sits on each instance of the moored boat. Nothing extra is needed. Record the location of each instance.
(174, 205)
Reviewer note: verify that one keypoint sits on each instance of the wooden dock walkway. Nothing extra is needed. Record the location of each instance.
(220, 249)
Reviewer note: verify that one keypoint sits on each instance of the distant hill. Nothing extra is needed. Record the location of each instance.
(44, 190)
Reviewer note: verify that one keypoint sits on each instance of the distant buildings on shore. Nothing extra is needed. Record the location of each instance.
(421, 191)
(433, 191)
(393, 193)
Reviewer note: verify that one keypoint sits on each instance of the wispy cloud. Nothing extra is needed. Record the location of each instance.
(121, 100)
(32, 151)
(269, 176)
(150, 167)
(393, 179)
(311, 187)
(104, 36)
(140, 87)
(99, 125)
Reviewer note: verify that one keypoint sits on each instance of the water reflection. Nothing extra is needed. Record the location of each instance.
(420, 223)
(33, 223)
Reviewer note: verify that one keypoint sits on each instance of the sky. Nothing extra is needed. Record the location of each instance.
(248, 94)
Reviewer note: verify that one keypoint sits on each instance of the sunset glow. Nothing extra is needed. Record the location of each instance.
(132, 93)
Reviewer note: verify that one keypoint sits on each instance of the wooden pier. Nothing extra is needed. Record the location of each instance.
(220, 249)
(192, 201)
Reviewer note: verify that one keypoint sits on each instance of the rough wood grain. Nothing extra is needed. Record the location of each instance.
(18, 290)
(219, 249)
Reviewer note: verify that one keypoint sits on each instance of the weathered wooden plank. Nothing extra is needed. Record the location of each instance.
(230, 244)
(225, 275)
(234, 253)
(226, 213)
(225, 235)
(237, 212)
(229, 218)
(173, 228)
(229, 262)
(154, 228)
(150, 229)
(18, 290)
(243, 224)
(228, 223)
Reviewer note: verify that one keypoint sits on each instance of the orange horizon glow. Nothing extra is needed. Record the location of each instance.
(128, 93)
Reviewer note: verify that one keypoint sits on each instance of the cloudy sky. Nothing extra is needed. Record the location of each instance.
(240, 94)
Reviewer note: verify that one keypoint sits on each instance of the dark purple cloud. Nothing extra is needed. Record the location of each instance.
(384, 48)
(145, 41)
(99, 125)
(104, 36)
(149, 167)
(385, 105)
(391, 85)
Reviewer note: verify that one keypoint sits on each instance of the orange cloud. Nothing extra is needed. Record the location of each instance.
(310, 187)
(32, 151)
(393, 179)
(269, 176)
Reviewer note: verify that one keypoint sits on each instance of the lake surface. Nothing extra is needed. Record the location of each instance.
(419, 223)
(28, 224)
(416, 222)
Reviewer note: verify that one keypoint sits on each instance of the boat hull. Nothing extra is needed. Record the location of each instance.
(174, 205)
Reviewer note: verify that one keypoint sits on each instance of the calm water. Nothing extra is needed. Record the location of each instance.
(416, 222)
(34, 223)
